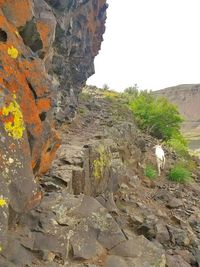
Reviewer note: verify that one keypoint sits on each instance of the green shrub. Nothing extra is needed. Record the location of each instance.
(179, 174)
(156, 115)
(110, 95)
(132, 91)
(179, 145)
(150, 172)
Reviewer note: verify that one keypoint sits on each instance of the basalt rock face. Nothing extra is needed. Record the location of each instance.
(78, 36)
(47, 50)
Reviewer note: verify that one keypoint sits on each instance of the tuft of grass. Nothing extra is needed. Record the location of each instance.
(179, 174)
(150, 172)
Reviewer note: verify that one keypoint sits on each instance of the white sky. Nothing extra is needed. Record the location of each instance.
(154, 43)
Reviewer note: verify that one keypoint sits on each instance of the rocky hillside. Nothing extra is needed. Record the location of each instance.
(98, 209)
(83, 201)
(47, 52)
(187, 98)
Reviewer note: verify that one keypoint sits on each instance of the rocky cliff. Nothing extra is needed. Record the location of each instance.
(47, 52)
(187, 98)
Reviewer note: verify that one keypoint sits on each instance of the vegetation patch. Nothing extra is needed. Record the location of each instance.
(179, 145)
(156, 116)
(110, 95)
(179, 174)
(101, 162)
(150, 172)
(82, 110)
(85, 96)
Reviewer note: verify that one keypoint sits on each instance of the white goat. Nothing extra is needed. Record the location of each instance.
(160, 157)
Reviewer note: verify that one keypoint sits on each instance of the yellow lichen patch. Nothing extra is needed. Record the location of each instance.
(17, 34)
(1, 248)
(13, 52)
(101, 163)
(2, 202)
(15, 128)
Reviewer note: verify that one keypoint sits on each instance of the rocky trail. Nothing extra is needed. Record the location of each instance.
(99, 210)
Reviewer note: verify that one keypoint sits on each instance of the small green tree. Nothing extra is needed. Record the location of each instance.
(157, 116)
(105, 86)
(132, 90)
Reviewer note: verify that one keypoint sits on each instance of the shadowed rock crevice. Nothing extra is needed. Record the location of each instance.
(30, 140)
(31, 36)
(32, 90)
(3, 36)
(63, 5)
(43, 116)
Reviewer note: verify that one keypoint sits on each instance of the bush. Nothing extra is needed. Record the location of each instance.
(110, 95)
(132, 90)
(150, 172)
(156, 116)
(105, 86)
(180, 174)
(179, 145)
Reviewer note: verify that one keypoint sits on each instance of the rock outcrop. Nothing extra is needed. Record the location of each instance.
(47, 52)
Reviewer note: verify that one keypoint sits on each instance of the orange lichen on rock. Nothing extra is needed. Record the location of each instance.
(18, 12)
(36, 76)
(34, 201)
(48, 153)
(24, 76)
(45, 32)
(43, 104)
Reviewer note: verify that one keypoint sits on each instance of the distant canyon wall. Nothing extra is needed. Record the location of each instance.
(187, 98)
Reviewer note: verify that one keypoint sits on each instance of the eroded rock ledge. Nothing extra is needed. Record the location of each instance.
(47, 52)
